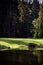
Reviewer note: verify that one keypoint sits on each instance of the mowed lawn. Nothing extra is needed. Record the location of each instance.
(19, 43)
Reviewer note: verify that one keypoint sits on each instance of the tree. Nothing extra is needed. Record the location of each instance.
(8, 17)
(25, 18)
(35, 9)
(38, 24)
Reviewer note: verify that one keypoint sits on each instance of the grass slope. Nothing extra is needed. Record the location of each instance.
(19, 43)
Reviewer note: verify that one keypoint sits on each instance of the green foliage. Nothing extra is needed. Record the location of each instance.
(21, 19)
(36, 28)
(25, 18)
(38, 25)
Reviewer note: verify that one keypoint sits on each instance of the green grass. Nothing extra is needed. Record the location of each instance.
(19, 43)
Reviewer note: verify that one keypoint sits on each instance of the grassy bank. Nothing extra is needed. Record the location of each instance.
(19, 43)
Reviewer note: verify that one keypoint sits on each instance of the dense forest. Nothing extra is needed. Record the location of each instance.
(21, 19)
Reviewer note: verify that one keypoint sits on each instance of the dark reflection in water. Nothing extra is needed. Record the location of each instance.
(12, 57)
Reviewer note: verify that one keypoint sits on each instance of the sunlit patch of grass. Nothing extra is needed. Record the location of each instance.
(13, 46)
(19, 43)
(4, 43)
(9, 45)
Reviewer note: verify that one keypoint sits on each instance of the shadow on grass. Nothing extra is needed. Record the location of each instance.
(14, 42)
(4, 47)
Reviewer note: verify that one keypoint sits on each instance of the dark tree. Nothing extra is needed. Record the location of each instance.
(8, 17)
